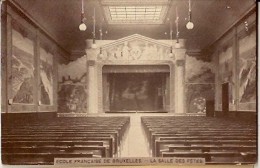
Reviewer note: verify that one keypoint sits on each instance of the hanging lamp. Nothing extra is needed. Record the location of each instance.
(82, 26)
(189, 25)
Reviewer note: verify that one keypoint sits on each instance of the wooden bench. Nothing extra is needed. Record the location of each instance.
(171, 136)
(82, 137)
(39, 158)
(97, 150)
(164, 143)
(106, 140)
(185, 136)
(113, 140)
(208, 148)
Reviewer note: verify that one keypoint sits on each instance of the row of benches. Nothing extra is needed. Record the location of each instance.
(217, 140)
(39, 142)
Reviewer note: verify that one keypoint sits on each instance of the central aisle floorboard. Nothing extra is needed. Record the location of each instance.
(135, 143)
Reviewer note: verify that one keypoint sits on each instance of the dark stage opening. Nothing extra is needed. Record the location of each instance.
(136, 92)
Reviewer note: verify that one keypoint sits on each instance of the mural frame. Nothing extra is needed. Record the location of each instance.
(252, 52)
(12, 15)
(11, 19)
(26, 34)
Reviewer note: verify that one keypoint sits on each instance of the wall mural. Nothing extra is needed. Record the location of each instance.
(226, 65)
(72, 98)
(135, 50)
(74, 71)
(196, 96)
(247, 72)
(200, 78)
(72, 94)
(226, 74)
(199, 71)
(46, 77)
(22, 69)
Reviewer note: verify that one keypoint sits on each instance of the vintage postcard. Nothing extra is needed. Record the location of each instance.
(129, 83)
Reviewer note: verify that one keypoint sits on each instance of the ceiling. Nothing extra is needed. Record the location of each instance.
(61, 19)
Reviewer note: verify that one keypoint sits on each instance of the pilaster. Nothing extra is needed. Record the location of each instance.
(180, 80)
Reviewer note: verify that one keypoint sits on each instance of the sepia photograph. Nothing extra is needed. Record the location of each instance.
(129, 83)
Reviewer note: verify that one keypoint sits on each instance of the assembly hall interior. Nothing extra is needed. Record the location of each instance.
(128, 78)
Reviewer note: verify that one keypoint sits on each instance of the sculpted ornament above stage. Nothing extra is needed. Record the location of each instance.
(134, 47)
(135, 50)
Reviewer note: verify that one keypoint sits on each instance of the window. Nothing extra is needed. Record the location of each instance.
(135, 12)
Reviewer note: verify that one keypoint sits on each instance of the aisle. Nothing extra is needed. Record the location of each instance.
(135, 144)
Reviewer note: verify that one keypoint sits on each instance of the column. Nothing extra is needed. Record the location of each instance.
(92, 88)
(171, 87)
(180, 81)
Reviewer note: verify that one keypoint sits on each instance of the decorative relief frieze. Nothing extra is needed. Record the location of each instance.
(136, 48)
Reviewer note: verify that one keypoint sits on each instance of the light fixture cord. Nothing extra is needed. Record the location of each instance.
(101, 33)
(171, 31)
(189, 5)
(189, 10)
(94, 25)
(177, 24)
(101, 29)
(82, 6)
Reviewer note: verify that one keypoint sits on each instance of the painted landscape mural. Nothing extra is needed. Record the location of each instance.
(22, 69)
(199, 78)
(199, 71)
(72, 89)
(196, 96)
(247, 72)
(46, 76)
(242, 92)
(73, 98)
